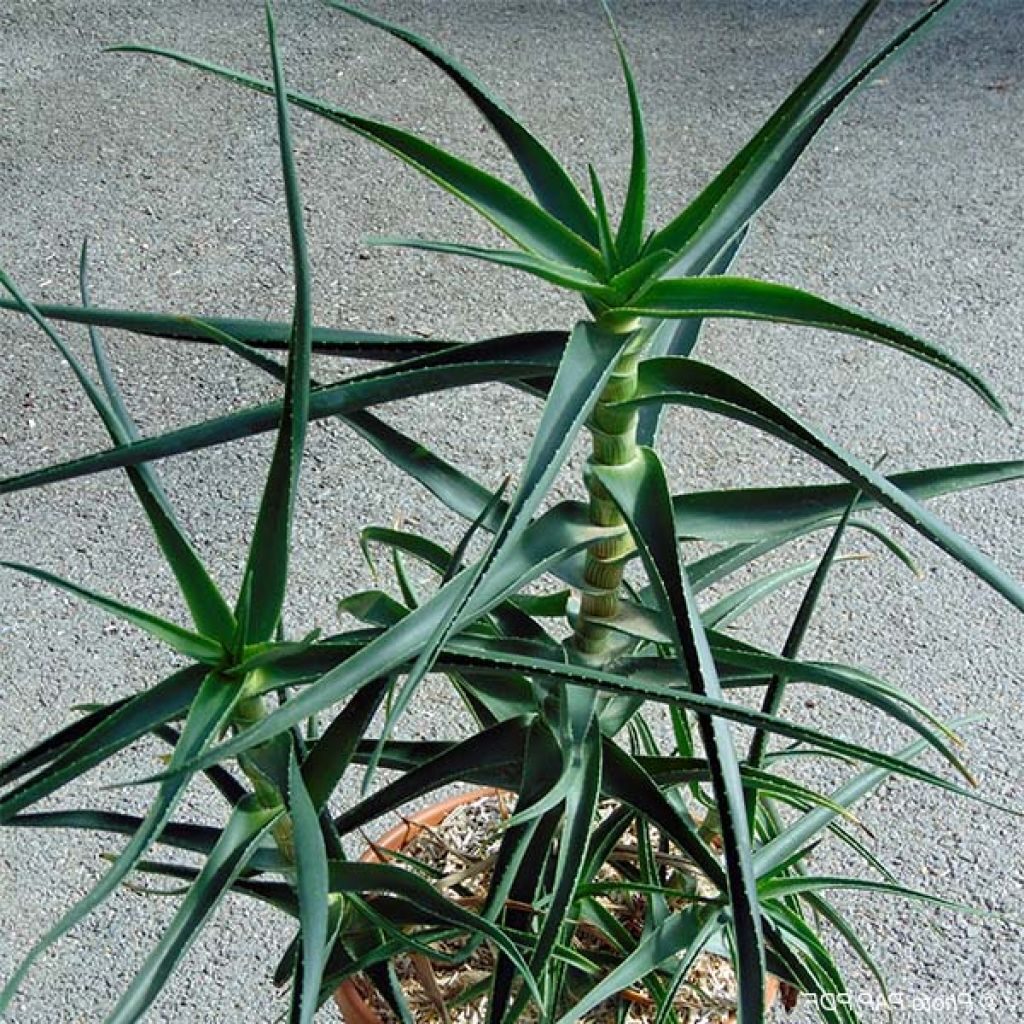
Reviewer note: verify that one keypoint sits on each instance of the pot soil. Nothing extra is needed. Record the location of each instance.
(456, 837)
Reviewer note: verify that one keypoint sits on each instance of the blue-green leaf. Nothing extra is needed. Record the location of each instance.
(640, 491)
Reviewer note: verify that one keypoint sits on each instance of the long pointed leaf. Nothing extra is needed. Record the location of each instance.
(794, 639)
(748, 514)
(553, 188)
(698, 385)
(640, 490)
(512, 359)
(192, 645)
(774, 853)
(266, 570)
(509, 211)
(249, 823)
(272, 334)
(546, 542)
(311, 883)
(752, 176)
(209, 610)
(764, 300)
(562, 274)
(630, 236)
(83, 748)
(209, 713)
(636, 684)
(678, 338)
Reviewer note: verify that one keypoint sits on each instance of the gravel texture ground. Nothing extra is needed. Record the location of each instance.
(909, 205)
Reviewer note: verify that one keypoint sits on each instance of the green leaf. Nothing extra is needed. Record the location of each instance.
(54, 745)
(711, 569)
(552, 187)
(678, 338)
(248, 824)
(311, 883)
(513, 359)
(823, 976)
(687, 382)
(845, 679)
(517, 879)
(192, 645)
(826, 910)
(609, 254)
(640, 491)
(562, 274)
(651, 688)
(373, 608)
(496, 749)
(70, 753)
(426, 551)
(209, 713)
(435, 642)
(682, 937)
(685, 961)
(329, 757)
(763, 300)
(674, 770)
(738, 602)
(362, 877)
(208, 609)
(178, 835)
(630, 236)
(748, 514)
(589, 360)
(751, 177)
(801, 884)
(220, 778)
(579, 808)
(527, 224)
(626, 780)
(776, 688)
(266, 571)
(271, 334)
(544, 543)
(447, 483)
(776, 852)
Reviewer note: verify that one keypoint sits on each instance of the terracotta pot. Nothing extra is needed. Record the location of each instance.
(354, 1009)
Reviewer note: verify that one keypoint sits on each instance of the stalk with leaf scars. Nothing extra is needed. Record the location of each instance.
(566, 724)
(614, 444)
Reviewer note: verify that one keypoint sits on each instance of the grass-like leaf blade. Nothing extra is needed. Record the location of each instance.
(527, 224)
(687, 382)
(515, 359)
(561, 274)
(266, 571)
(764, 300)
(553, 188)
(311, 883)
(640, 491)
(209, 610)
(248, 824)
(740, 190)
(271, 334)
(208, 714)
(192, 645)
(749, 514)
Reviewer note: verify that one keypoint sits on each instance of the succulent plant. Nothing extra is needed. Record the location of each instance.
(575, 632)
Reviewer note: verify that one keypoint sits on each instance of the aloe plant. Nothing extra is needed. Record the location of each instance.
(589, 662)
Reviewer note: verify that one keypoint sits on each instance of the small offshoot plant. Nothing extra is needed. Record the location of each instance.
(592, 672)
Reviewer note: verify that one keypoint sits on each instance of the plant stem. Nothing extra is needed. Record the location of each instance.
(613, 433)
(262, 768)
